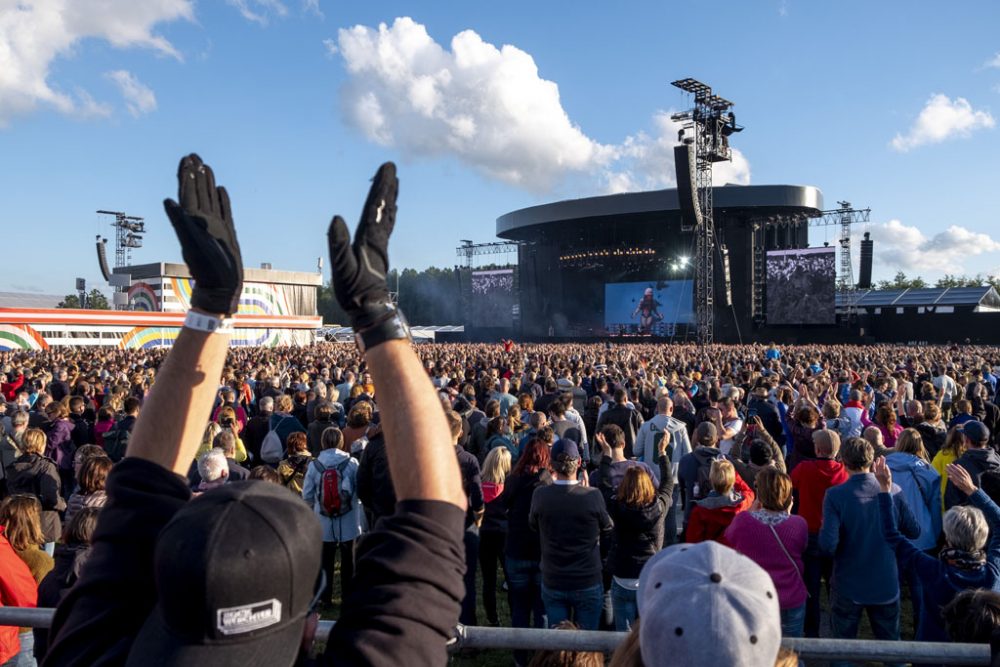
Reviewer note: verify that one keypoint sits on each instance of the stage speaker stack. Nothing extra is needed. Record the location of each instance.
(102, 258)
(686, 165)
(867, 254)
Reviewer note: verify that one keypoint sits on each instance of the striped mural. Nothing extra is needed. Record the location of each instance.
(20, 337)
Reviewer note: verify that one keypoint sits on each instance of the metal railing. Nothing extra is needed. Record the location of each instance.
(578, 640)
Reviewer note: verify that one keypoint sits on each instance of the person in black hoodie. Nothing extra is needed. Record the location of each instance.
(70, 556)
(694, 485)
(523, 551)
(35, 474)
(978, 459)
(637, 512)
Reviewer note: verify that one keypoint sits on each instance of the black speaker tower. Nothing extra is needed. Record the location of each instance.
(686, 165)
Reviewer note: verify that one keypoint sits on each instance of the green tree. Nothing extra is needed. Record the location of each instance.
(949, 280)
(902, 281)
(95, 301)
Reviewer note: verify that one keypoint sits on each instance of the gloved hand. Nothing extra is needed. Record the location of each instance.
(204, 225)
(359, 269)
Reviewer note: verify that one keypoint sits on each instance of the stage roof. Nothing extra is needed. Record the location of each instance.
(29, 300)
(746, 200)
(983, 298)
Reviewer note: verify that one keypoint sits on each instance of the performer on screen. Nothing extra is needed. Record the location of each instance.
(648, 311)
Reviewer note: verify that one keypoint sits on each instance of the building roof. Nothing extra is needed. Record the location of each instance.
(982, 297)
(758, 200)
(29, 300)
(158, 269)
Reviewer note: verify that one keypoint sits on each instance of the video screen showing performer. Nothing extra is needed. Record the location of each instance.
(801, 286)
(648, 308)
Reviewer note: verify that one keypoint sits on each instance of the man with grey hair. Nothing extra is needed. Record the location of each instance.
(213, 469)
(256, 430)
(966, 562)
(650, 434)
(865, 575)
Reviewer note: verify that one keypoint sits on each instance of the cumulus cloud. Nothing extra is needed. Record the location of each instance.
(139, 98)
(942, 118)
(33, 35)
(489, 107)
(330, 46)
(905, 248)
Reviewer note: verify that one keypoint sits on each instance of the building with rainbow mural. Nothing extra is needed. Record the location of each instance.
(276, 308)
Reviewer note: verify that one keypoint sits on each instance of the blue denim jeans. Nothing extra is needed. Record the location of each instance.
(524, 586)
(471, 539)
(583, 607)
(626, 609)
(26, 656)
(670, 521)
(845, 617)
(792, 621)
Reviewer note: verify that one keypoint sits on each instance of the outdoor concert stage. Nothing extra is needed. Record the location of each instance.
(585, 268)
(581, 258)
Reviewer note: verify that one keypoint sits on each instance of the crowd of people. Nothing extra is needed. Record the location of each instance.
(871, 469)
(196, 505)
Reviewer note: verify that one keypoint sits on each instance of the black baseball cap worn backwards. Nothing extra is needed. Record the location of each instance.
(235, 574)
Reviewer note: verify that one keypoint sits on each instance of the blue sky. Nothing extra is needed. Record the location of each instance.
(295, 102)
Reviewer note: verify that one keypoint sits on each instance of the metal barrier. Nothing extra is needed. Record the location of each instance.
(578, 640)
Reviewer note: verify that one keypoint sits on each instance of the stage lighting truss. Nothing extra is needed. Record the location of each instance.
(601, 257)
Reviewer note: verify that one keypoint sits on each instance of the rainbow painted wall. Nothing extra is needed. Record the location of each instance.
(40, 329)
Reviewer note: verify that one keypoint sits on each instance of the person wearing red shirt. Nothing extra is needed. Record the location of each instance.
(712, 515)
(17, 589)
(9, 389)
(811, 479)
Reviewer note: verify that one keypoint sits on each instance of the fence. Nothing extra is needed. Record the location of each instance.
(529, 639)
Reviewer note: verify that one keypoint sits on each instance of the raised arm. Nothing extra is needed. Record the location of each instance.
(962, 481)
(905, 550)
(392, 577)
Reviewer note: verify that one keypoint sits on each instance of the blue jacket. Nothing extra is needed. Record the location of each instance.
(350, 525)
(864, 565)
(920, 486)
(941, 582)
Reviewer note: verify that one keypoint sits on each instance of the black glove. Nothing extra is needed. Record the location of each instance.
(204, 225)
(359, 269)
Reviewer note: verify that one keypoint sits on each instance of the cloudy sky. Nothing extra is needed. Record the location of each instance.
(486, 107)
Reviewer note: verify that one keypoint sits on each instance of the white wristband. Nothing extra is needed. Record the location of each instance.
(208, 323)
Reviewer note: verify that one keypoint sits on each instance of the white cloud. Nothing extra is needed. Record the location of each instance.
(490, 108)
(139, 98)
(260, 11)
(33, 35)
(906, 248)
(942, 119)
(994, 61)
(312, 7)
(330, 45)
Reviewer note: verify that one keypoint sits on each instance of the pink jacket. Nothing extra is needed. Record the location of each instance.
(754, 539)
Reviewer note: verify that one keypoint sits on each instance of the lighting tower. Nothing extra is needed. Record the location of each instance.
(711, 121)
(129, 230)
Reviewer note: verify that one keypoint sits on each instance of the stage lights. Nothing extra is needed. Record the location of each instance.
(608, 253)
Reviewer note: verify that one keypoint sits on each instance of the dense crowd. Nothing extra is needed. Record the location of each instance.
(190, 506)
(857, 466)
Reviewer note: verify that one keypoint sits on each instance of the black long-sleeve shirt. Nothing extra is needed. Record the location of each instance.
(401, 611)
(569, 519)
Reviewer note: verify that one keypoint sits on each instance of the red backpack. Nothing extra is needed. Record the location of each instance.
(336, 497)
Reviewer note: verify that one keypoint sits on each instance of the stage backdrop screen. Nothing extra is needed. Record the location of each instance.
(650, 307)
(493, 298)
(800, 286)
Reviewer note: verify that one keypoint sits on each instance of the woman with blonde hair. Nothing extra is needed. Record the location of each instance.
(712, 515)
(638, 510)
(954, 447)
(34, 474)
(493, 530)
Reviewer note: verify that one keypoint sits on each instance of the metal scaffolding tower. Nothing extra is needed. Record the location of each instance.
(845, 216)
(708, 125)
